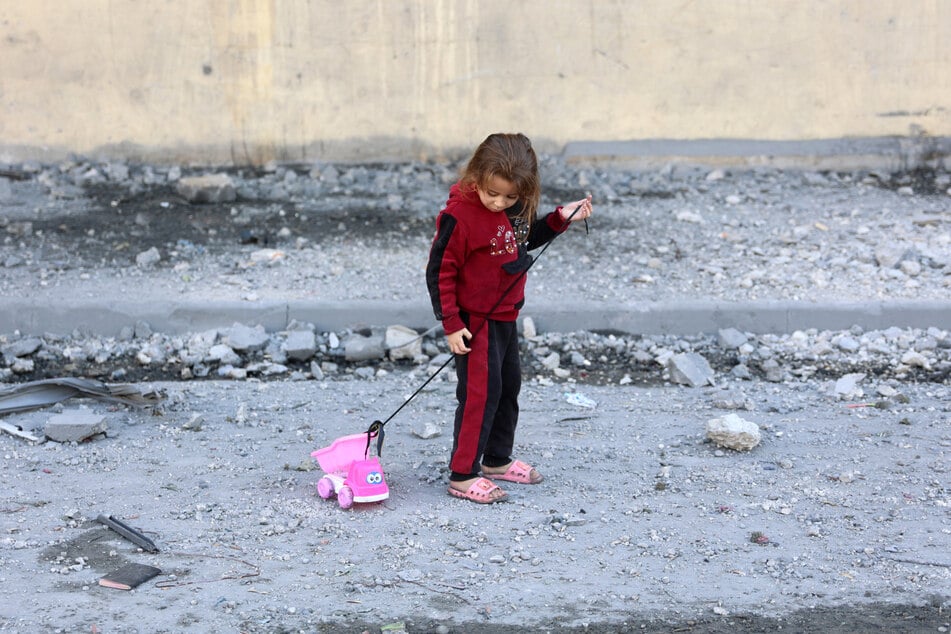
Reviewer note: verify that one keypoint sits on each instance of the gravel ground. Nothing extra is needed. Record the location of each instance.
(363, 233)
(837, 521)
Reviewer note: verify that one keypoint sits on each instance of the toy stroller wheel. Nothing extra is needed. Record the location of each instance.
(345, 497)
(325, 487)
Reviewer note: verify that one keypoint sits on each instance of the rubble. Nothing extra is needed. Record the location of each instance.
(889, 355)
(655, 524)
(209, 188)
(733, 432)
(75, 426)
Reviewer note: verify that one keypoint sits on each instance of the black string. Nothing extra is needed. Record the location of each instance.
(376, 427)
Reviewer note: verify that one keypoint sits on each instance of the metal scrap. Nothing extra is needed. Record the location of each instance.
(22, 397)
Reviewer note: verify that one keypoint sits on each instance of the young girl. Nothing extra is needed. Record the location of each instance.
(476, 282)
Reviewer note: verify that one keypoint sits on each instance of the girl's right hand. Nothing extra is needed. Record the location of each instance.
(457, 341)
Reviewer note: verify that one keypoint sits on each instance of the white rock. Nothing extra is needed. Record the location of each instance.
(916, 359)
(848, 385)
(733, 432)
(403, 343)
(148, 258)
(528, 328)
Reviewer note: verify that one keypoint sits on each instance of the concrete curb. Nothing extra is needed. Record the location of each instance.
(108, 318)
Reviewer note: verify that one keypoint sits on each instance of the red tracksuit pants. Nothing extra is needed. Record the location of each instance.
(489, 381)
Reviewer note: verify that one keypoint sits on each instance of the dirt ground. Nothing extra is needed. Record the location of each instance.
(837, 522)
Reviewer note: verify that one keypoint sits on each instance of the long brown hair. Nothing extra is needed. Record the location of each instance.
(509, 156)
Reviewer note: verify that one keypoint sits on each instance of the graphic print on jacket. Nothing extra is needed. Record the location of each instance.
(504, 242)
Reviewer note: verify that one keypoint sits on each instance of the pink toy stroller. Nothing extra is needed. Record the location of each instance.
(350, 473)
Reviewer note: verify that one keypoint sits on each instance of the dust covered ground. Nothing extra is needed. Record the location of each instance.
(838, 521)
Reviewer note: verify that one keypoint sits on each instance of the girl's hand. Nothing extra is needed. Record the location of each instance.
(457, 341)
(583, 207)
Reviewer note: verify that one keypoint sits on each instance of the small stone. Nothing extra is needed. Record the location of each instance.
(733, 432)
(300, 345)
(244, 338)
(731, 338)
(847, 385)
(427, 431)
(360, 348)
(403, 342)
(690, 368)
(528, 328)
(22, 347)
(148, 259)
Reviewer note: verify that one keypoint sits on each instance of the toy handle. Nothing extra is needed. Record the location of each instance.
(375, 429)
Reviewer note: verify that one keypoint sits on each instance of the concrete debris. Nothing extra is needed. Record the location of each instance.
(210, 188)
(893, 354)
(361, 348)
(267, 256)
(15, 430)
(300, 345)
(691, 369)
(148, 259)
(730, 338)
(23, 397)
(223, 354)
(732, 432)
(848, 386)
(427, 430)
(772, 371)
(74, 426)
(403, 343)
(21, 347)
(528, 328)
(245, 338)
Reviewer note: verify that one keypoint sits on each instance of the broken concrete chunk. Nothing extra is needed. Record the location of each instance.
(148, 259)
(223, 354)
(360, 348)
(529, 331)
(300, 345)
(243, 338)
(74, 426)
(690, 368)
(847, 386)
(733, 432)
(22, 347)
(730, 338)
(403, 343)
(210, 188)
(427, 431)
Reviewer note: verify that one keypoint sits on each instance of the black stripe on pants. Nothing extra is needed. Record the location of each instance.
(489, 382)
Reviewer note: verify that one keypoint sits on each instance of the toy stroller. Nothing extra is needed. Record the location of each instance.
(349, 473)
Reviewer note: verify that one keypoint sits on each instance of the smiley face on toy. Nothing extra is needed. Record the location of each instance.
(366, 479)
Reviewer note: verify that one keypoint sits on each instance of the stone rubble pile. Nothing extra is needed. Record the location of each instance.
(302, 352)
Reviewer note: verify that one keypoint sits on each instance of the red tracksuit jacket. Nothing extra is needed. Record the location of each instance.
(467, 269)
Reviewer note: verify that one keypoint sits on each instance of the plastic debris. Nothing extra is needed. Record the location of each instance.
(579, 399)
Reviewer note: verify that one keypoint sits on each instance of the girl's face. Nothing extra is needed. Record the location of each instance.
(498, 195)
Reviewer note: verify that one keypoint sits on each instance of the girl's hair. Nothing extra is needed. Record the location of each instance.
(509, 156)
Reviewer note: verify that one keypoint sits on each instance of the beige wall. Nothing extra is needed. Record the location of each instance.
(294, 80)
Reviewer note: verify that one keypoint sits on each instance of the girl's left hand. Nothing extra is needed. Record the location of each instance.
(581, 209)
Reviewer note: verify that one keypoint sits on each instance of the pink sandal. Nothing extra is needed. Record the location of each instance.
(480, 492)
(519, 472)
